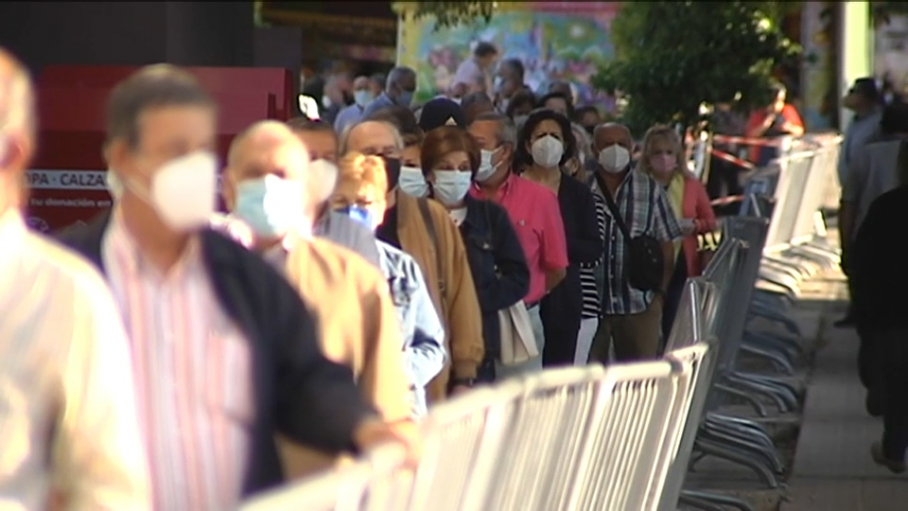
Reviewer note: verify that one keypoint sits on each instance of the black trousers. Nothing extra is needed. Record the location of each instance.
(673, 296)
(893, 356)
(560, 311)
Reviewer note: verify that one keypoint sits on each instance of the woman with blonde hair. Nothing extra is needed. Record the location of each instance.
(361, 192)
(663, 158)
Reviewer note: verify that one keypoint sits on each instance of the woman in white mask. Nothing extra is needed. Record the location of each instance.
(662, 158)
(545, 144)
(450, 161)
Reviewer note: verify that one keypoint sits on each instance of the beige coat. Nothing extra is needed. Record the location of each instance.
(458, 305)
(358, 328)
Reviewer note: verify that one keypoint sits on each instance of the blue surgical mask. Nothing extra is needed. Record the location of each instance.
(360, 214)
(412, 182)
(406, 97)
(451, 186)
(486, 169)
(270, 206)
(362, 97)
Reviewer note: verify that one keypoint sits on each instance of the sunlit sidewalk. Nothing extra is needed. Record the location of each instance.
(833, 470)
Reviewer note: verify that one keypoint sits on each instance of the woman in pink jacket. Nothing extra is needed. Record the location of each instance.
(663, 158)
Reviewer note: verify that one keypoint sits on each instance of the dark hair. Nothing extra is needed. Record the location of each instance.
(397, 74)
(894, 119)
(517, 66)
(522, 156)
(151, 87)
(484, 49)
(583, 110)
(558, 95)
(446, 140)
(401, 117)
(303, 123)
(474, 98)
(379, 78)
(901, 163)
(519, 99)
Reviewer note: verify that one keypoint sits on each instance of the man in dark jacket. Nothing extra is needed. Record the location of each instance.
(224, 351)
(880, 278)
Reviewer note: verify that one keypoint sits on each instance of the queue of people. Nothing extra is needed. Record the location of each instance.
(359, 277)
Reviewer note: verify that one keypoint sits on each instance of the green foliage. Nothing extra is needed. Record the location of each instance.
(672, 57)
(450, 14)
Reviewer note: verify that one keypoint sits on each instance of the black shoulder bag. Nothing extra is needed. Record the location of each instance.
(645, 261)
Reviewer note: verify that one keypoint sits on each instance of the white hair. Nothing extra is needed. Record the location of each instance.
(345, 135)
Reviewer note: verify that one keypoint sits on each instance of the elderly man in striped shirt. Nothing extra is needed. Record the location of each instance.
(632, 317)
(224, 351)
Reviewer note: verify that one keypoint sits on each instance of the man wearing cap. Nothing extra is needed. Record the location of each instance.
(441, 112)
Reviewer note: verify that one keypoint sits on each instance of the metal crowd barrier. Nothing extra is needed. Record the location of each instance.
(623, 437)
(564, 439)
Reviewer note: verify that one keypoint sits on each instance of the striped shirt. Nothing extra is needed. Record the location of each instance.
(193, 375)
(67, 404)
(592, 302)
(645, 208)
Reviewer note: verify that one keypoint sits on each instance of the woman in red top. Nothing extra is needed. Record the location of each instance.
(662, 157)
(779, 119)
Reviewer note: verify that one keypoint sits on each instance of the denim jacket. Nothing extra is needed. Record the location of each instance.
(421, 329)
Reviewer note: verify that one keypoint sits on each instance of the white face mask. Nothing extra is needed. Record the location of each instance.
(183, 191)
(486, 169)
(614, 158)
(322, 179)
(451, 186)
(270, 206)
(547, 152)
(412, 182)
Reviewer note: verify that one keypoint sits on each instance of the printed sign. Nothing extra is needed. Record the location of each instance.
(60, 198)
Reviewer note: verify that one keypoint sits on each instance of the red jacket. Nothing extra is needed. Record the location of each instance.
(695, 205)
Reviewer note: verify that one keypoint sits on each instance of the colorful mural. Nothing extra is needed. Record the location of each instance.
(555, 41)
(818, 91)
(891, 59)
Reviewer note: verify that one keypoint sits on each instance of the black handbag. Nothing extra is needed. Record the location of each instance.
(645, 260)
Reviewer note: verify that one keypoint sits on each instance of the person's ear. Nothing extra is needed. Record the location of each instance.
(228, 189)
(15, 152)
(117, 155)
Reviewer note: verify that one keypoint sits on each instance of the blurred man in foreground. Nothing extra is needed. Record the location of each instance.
(225, 353)
(68, 418)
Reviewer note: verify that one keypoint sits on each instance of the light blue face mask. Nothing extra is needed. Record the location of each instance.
(412, 182)
(270, 206)
(362, 97)
(406, 97)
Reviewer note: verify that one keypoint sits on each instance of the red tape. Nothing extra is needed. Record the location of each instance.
(737, 161)
(725, 139)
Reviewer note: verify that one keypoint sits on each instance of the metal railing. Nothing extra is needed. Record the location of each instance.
(622, 437)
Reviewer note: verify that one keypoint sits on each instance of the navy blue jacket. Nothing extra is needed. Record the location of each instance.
(497, 263)
(298, 392)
